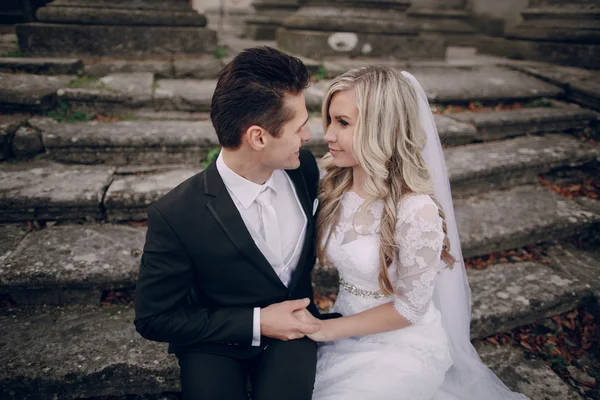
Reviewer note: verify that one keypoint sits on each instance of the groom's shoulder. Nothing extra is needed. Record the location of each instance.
(308, 164)
(181, 196)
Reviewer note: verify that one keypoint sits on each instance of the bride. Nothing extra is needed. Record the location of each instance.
(387, 225)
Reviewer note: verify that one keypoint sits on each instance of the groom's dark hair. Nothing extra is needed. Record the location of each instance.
(250, 91)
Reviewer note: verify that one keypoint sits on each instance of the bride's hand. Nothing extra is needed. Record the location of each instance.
(304, 316)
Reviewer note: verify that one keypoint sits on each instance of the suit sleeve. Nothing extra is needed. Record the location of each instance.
(163, 312)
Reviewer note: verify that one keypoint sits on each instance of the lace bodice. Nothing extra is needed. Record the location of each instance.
(354, 251)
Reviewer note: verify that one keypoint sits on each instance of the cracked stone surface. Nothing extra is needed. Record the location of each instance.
(184, 94)
(72, 264)
(486, 84)
(80, 352)
(501, 220)
(533, 378)
(161, 69)
(41, 66)
(129, 142)
(500, 164)
(136, 85)
(44, 190)
(200, 68)
(581, 263)
(128, 197)
(10, 236)
(30, 92)
(503, 124)
(505, 296)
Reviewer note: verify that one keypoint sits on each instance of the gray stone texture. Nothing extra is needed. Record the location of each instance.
(27, 142)
(30, 92)
(129, 197)
(136, 85)
(506, 296)
(129, 142)
(357, 29)
(501, 220)
(580, 85)
(184, 94)
(268, 17)
(580, 263)
(534, 378)
(46, 191)
(72, 264)
(47, 39)
(565, 32)
(80, 352)
(448, 19)
(476, 168)
(504, 124)
(488, 84)
(10, 236)
(201, 68)
(8, 126)
(160, 68)
(41, 66)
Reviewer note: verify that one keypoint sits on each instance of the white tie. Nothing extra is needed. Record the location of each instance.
(269, 221)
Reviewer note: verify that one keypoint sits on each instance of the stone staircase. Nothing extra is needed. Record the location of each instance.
(84, 188)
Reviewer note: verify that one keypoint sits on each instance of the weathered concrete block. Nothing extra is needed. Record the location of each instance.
(8, 126)
(42, 39)
(203, 68)
(80, 352)
(533, 378)
(161, 69)
(130, 142)
(46, 191)
(30, 92)
(501, 164)
(27, 142)
(72, 264)
(501, 220)
(184, 94)
(129, 197)
(41, 66)
(506, 296)
(10, 236)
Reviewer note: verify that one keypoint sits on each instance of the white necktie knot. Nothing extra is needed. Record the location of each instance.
(265, 198)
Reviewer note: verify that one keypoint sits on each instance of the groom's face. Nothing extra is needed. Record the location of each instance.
(282, 152)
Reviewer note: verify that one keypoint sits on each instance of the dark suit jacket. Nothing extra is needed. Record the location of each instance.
(201, 274)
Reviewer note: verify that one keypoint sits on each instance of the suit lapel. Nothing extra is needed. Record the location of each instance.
(228, 216)
(297, 178)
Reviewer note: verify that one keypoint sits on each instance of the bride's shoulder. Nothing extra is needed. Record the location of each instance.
(410, 204)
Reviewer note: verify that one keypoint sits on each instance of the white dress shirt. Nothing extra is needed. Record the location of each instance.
(291, 219)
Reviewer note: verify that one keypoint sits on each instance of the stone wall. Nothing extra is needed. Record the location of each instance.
(494, 16)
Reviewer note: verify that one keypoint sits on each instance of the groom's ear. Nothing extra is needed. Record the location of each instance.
(256, 137)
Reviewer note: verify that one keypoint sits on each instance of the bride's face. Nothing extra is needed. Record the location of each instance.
(343, 115)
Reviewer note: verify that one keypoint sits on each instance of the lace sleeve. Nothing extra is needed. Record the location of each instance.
(419, 238)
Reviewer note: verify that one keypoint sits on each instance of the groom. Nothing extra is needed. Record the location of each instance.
(229, 252)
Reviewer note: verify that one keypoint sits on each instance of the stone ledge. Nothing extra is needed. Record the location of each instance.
(502, 220)
(72, 264)
(506, 296)
(504, 124)
(532, 377)
(501, 164)
(30, 92)
(41, 66)
(80, 352)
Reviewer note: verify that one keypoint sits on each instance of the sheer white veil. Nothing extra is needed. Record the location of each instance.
(468, 378)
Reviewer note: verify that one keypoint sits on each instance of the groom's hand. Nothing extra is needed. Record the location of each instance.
(277, 321)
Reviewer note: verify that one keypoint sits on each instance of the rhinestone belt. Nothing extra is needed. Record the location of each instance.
(371, 294)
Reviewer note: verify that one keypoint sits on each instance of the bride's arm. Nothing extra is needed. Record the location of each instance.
(419, 238)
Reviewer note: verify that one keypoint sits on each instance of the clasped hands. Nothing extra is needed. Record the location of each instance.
(290, 320)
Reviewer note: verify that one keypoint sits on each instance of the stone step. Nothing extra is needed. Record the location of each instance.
(85, 351)
(37, 269)
(80, 352)
(24, 92)
(486, 84)
(137, 141)
(530, 376)
(508, 219)
(45, 190)
(41, 66)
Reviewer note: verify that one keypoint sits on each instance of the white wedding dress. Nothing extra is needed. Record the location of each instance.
(408, 363)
